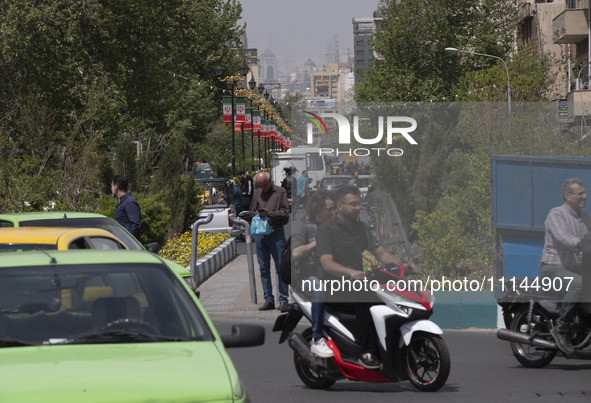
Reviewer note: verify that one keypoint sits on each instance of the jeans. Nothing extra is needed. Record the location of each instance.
(296, 205)
(267, 246)
(317, 319)
(573, 295)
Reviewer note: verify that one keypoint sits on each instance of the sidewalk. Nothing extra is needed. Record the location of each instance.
(227, 293)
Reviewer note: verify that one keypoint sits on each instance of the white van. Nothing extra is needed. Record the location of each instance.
(301, 158)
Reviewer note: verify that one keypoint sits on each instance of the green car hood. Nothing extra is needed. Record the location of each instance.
(140, 372)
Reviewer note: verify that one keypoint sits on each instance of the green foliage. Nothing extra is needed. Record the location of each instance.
(156, 215)
(413, 39)
(216, 150)
(530, 77)
(125, 158)
(84, 85)
(456, 238)
(107, 204)
(441, 185)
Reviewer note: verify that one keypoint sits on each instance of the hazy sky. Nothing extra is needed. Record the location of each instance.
(296, 30)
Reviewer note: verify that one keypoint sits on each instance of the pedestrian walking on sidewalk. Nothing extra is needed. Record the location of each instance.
(127, 212)
(270, 201)
(301, 193)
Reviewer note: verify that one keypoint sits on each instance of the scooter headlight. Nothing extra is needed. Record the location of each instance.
(407, 310)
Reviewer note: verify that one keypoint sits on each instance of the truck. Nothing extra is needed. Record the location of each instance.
(524, 189)
(302, 158)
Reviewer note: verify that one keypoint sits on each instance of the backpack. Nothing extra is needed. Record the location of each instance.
(285, 266)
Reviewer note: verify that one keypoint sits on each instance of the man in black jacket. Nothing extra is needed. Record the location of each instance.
(247, 189)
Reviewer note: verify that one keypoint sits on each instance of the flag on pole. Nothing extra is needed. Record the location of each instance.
(240, 108)
(227, 106)
(256, 120)
(247, 119)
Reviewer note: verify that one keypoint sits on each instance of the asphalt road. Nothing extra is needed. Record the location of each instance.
(483, 369)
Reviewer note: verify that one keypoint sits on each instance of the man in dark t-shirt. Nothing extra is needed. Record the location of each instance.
(340, 243)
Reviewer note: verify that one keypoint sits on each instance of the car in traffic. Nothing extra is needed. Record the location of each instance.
(203, 171)
(364, 182)
(74, 219)
(333, 182)
(104, 326)
(217, 198)
(47, 238)
(70, 219)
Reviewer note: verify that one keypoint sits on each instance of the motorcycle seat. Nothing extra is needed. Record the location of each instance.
(342, 313)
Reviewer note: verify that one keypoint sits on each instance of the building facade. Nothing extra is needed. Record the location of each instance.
(561, 28)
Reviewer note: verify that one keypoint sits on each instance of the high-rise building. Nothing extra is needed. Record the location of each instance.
(332, 50)
(268, 67)
(363, 29)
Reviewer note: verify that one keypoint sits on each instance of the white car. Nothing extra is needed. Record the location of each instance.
(363, 183)
(217, 199)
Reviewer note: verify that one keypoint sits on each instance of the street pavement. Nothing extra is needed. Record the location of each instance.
(227, 293)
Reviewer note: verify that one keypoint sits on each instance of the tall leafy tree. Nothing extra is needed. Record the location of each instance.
(75, 76)
(414, 34)
(441, 185)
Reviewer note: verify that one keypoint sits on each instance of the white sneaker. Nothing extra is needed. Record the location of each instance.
(319, 347)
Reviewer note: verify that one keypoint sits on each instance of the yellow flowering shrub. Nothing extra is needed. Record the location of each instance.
(369, 261)
(178, 249)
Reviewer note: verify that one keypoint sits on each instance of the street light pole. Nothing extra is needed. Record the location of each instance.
(252, 85)
(230, 82)
(495, 57)
(260, 88)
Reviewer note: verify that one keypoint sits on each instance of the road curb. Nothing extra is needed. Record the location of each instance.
(214, 261)
(465, 310)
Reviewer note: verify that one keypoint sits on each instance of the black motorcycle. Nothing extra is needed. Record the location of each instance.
(529, 318)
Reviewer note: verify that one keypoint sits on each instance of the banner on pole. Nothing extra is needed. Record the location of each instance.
(227, 107)
(240, 108)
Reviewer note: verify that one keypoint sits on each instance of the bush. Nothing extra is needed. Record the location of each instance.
(456, 239)
(178, 249)
(155, 218)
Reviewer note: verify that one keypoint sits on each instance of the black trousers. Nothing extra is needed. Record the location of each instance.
(365, 330)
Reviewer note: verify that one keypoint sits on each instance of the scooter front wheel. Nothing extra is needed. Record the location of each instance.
(427, 361)
(311, 378)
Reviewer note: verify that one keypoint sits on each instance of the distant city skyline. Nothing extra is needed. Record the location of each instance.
(299, 30)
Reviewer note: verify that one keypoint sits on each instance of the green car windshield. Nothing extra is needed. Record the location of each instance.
(88, 222)
(96, 303)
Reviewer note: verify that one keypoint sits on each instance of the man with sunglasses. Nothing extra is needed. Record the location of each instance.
(340, 243)
(562, 257)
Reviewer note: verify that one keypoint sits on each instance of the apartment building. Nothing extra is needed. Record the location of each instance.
(561, 28)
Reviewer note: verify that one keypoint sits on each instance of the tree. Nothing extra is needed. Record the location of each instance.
(441, 185)
(414, 34)
(81, 80)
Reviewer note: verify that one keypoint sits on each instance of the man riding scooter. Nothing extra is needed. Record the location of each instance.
(340, 243)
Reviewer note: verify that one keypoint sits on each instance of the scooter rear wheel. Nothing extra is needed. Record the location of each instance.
(311, 378)
(427, 362)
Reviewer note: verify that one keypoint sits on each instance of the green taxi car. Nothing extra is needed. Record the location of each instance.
(105, 326)
(74, 219)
